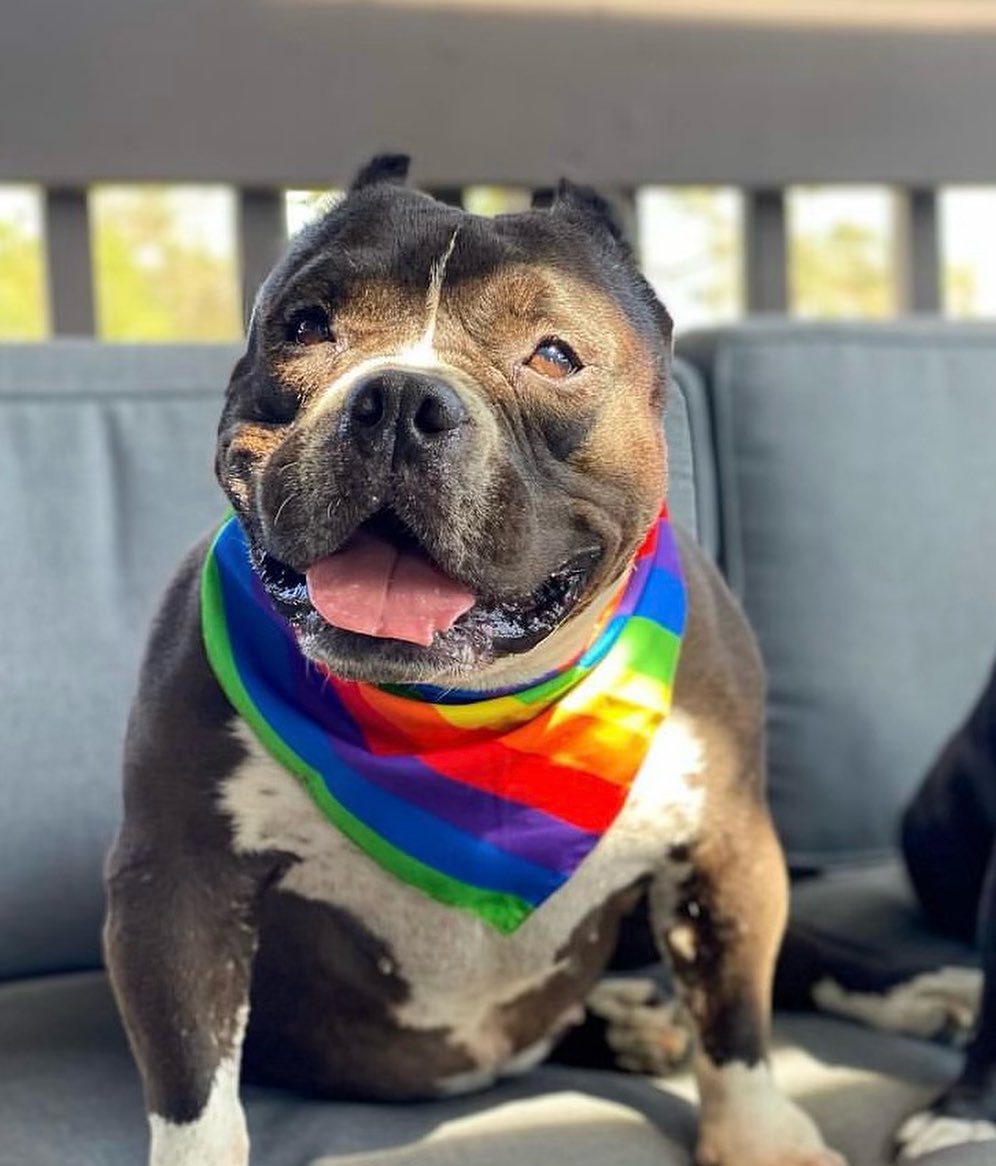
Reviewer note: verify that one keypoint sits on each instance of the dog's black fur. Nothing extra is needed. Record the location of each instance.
(949, 844)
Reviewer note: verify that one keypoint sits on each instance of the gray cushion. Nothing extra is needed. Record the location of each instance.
(693, 493)
(857, 476)
(860, 1085)
(872, 911)
(69, 1094)
(105, 472)
(686, 460)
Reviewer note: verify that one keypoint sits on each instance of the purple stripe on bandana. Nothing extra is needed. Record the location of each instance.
(517, 829)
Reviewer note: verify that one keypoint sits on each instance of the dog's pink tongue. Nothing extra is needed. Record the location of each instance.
(373, 588)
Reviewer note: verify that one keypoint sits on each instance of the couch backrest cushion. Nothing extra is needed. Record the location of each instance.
(105, 472)
(105, 475)
(857, 481)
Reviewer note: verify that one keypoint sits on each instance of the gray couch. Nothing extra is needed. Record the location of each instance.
(842, 476)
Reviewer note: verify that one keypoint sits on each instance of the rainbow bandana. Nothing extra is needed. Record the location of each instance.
(488, 805)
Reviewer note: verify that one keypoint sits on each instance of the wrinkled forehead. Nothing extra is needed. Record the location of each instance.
(382, 252)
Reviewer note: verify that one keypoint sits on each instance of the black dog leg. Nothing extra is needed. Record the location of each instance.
(966, 1112)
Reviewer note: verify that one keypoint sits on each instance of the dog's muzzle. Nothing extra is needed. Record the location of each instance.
(403, 417)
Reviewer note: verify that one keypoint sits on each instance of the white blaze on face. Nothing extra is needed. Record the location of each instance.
(422, 351)
(421, 355)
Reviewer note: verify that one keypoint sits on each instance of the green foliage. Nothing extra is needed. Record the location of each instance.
(841, 271)
(495, 200)
(961, 290)
(22, 285)
(153, 282)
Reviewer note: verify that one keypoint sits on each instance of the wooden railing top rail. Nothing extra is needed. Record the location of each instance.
(270, 93)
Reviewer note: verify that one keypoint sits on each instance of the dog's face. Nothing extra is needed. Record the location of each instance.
(444, 440)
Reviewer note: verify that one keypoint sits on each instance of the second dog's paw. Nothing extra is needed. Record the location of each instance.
(924, 1132)
(646, 1032)
(941, 1005)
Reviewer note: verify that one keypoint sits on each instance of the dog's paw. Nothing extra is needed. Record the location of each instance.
(646, 1032)
(748, 1153)
(939, 1005)
(797, 1146)
(746, 1121)
(927, 1131)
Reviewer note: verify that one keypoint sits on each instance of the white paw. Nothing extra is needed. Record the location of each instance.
(927, 1131)
(216, 1137)
(940, 1005)
(648, 1033)
(746, 1121)
(794, 1141)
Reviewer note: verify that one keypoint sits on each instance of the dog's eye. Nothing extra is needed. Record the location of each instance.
(554, 359)
(309, 326)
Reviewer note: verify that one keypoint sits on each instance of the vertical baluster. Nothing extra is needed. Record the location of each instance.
(262, 234)
(69, 262)
(623, 202)
(918, 250)
(766, 251)
(451, 195)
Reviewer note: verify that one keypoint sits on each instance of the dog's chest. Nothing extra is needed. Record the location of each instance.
(458, 968)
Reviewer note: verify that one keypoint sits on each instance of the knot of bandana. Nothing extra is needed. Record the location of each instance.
(486, 804)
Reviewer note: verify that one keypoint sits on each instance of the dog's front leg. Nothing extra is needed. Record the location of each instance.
(179, 941)
(721, 931)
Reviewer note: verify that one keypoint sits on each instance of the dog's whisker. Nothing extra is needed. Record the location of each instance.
(280, 509)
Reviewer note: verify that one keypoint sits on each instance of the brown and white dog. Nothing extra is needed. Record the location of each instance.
(520, 366)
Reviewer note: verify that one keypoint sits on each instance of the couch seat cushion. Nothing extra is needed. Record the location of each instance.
(69, 1093)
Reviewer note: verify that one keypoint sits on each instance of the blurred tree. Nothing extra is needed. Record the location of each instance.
(842, 270)
(495, 200)
(714, 278)
(303, 206)
(961, 290)
(22, 290)
(154, 280)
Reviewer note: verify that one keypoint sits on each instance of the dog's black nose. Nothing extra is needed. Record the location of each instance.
(409, 411)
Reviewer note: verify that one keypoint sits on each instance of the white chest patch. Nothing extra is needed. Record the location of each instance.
(459, 970)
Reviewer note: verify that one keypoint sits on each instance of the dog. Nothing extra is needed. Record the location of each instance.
(948, 843)
(401, 756)
(949, 846)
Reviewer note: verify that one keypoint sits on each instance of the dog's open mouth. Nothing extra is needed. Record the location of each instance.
(383, 584)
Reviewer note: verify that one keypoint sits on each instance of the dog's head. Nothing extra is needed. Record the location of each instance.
(444, 440)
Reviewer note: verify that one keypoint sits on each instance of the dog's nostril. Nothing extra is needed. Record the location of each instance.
(367, 406)
(438, 411)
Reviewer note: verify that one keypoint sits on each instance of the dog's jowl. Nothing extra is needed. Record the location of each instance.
(443, 696)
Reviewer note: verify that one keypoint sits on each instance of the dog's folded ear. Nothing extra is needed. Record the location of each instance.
(584, 202)
(383, 168)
